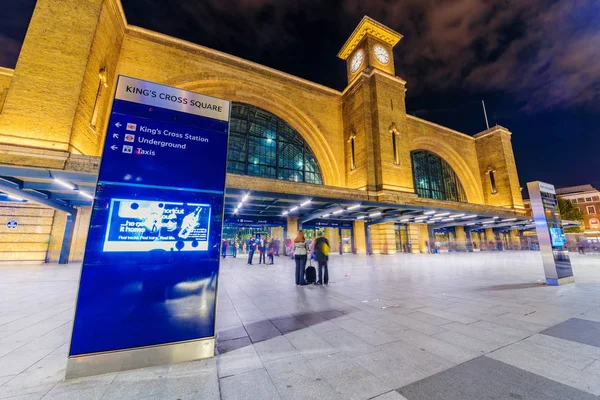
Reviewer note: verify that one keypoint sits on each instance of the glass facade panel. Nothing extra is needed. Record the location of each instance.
(261, 144)
(434, 178)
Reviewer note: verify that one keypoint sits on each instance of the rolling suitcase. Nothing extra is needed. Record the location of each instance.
(310, 274)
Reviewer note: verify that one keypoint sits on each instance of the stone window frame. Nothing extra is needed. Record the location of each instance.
(491, 172)
(588, 208)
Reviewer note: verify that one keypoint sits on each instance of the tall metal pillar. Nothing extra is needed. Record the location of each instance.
(469, 239)
(431, 241)
(368, 239)
(65, 250)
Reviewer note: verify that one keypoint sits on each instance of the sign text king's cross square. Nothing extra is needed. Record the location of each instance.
(153, 94)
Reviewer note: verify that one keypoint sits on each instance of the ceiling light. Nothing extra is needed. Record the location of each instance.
(429, 212)
(472, 223)
(307, 202)
(64, 183)
(285, 213)
(435, 219)
(469, 216)
(360, 217)
(457, 215)
(293, 209)
(405, 220)
(86, 195)
(245, 197)
(496, 217)
(353, 207)
(337, 212)
(420, 218)
(10, 196)
(441, 214)
(447, 219)
(240, 205)
(376, 214)
(509, 219)
(325, 215)
(489, 222)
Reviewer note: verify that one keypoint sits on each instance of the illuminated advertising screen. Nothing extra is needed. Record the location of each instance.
(151, 262)
(137, 225)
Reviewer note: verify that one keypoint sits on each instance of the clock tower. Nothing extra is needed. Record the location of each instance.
(369, 47)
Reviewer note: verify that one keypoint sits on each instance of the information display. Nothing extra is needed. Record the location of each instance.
(151, 225)
(548, 225)
(149, 274)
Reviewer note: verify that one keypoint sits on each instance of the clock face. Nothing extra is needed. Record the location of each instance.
(357, 60)
(381, 54)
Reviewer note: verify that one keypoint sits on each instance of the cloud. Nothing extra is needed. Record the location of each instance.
(9, 52)
(543, 53)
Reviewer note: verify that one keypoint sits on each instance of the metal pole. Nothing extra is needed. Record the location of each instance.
(368, 239)
(65, 250)
(485, 114)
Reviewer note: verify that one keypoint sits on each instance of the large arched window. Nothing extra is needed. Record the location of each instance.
(434, 178)
(261, 144)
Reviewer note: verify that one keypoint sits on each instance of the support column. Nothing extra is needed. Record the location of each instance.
(368, 244)
(360, 241)
(332, 235)
(490, 239)
(65, 251)
(461, 238)
(413, 238)
(515, 240)
(292, 227)
(431, 238)
(423, 238)
(383, 238)
(469, 237)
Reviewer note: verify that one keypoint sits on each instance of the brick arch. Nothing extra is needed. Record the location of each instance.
(256, 95)
(461, 168)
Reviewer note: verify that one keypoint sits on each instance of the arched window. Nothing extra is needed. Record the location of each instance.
(434, 178)
(262, 144)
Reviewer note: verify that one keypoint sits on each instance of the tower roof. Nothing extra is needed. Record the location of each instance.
(368, 26)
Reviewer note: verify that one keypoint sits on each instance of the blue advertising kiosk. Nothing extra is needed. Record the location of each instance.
(548, 225)
(147, 293)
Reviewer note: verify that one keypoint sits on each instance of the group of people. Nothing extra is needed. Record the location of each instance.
(264, 247)
(319, 250)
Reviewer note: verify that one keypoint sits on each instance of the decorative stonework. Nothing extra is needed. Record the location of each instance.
(368, 26)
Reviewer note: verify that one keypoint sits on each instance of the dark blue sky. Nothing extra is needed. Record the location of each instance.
(536, 63)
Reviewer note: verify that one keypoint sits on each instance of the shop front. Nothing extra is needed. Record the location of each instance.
(237, 232)
(339, 234)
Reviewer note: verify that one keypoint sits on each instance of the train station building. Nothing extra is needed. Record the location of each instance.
(300, 156)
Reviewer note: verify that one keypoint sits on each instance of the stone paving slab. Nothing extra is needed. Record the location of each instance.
(484, 377)
(384, 322)
(577, 330)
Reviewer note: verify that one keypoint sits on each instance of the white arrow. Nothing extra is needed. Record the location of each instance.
(118, 125)
(115, 135)
(113, 147)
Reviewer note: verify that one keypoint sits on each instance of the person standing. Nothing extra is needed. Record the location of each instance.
(234, 247)
(251, 248)
(224, 248)
(262, 246)
(271, 251)
(300, 251)
(321, 250)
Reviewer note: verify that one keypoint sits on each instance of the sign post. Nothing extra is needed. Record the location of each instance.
(548, 225)
(148, 283)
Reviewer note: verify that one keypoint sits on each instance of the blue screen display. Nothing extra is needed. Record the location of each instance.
(151, 263)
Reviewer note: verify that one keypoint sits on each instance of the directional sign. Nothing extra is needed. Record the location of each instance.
(151, 262)
(11, 224)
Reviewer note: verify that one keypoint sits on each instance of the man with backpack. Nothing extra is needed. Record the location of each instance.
(322, 255)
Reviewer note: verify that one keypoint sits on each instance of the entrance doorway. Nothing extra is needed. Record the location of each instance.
(236, 234)
(341, 238)
(401, 233)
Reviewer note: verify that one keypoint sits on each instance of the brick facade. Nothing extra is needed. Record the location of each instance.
(58, 97)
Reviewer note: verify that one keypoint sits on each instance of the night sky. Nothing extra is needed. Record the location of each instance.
(536, 63)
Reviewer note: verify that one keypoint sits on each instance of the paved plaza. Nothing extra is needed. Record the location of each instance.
(447, 326)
